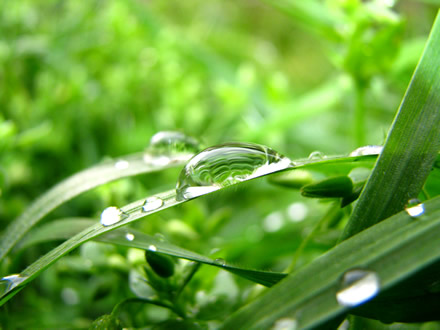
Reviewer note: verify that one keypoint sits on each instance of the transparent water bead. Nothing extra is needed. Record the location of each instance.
(414, 208)
(10, 282)
(129, 236)
(122, 164)
(152, 248)
(366, 151)
(152, 203)
(226, 164)
(316, 155)
(220, 261)
(112, 215)
(357, 287)
(171, 141)
(285, 324)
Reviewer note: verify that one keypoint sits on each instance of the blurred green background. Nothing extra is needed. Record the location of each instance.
(81, 81)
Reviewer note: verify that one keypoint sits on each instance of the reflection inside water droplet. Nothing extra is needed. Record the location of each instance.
(316, 155)
(152, 203)
(227, 164)
(414, 208)
(152, 248)
(366, 151)
(112, 215)
(122, 164)
(10, 282)
(285, 324)
(129, 237)
(170, 142)
(220, 261)
(357, 287)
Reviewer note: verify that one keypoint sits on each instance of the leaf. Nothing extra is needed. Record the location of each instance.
(78, 183)
(394, 249)
(411, 146)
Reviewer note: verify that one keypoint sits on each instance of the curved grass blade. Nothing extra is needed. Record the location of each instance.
(65, 228)
(411, 147)
(394, 249)
(78, 183)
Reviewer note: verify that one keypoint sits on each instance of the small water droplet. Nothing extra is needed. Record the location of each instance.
(170, 142)
(10, 282)
(366, 151)
(152, 248)
(414, 208)
(160, 237)
(152, 203)
(227, 164)
(112, 215)
(220, 261)
(285, 324)
(357, 287)
(316, 155)
(122, 164)
(160, 160)
(129, 237)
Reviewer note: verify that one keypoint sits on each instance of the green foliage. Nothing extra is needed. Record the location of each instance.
(83, 83)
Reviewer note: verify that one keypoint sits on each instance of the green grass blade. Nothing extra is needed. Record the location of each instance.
(411, 146)
(77, 184)
(394, 249)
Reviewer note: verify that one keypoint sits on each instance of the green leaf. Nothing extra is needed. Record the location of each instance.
(78, 183)
(394, 250)
(411, 146)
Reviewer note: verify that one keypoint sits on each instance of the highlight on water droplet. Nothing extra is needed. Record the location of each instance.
(415, 208)
(122, 164)
(285, 323)
(366, 151)
(129, 237)
(112, 215)
(227, 164)
(152, 248)
(171, 141)
(152, 203)
(316, 155)
(10, 282)
(220, 261)
(357, 287)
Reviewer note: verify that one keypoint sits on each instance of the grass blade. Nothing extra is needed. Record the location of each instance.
(410, 149)
(77, 184)
(394, 249)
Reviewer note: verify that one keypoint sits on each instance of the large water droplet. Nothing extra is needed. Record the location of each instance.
(10, 282)
(357, 287)
(170, 142)
(285, 324)
(414, 208)
(226, 164)
(112, 215)
(152, 203)
(366, 151)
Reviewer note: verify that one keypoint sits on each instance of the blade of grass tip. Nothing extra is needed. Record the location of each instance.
(80, 182)
(411, 147)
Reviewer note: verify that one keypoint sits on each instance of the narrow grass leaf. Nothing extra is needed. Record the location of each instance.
(411, 146)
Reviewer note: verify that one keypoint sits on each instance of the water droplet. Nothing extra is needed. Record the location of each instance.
(357, 287)
(366, 151)
(156, 160)
(316, 155)
(285, 324)
(170, 141)
(414, 208)
(160, 237)
(122, 164)
(112, 215)
(152, 203)
(152, 248)
(10, 282)
(129, 237)
(220, 261)
(227, 164)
